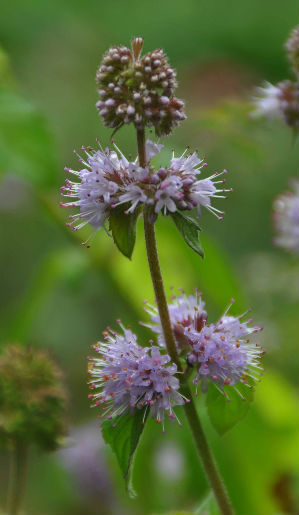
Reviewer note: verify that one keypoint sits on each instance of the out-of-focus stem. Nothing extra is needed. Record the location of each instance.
(190, 409)
(17, 477)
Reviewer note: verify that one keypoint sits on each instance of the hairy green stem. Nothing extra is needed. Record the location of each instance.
(17, 477)
(190, 409)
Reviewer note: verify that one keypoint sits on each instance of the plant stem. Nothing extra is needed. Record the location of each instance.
(17, 478)
(190, 409)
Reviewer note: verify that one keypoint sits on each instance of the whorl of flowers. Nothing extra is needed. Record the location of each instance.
(32, 397)
(286, 219)
(127, 376)
(220, 352)
(282, 100)
(292, 48)
(139, 90)
(109, 180)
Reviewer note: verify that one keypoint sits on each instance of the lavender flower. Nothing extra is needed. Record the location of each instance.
(138, 90)
(286, 219)
(109, 180)
(84, 459)
(180, 188)
(280, 101)
(184, 311)
(130, 376)
(221, 352)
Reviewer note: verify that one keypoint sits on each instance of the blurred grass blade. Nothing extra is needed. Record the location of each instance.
(26, 145)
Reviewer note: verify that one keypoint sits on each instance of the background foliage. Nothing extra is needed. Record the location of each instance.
(58, 295)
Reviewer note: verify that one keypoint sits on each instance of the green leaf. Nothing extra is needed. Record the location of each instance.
(224, 414)
(208, 506)
(123, 229)
(123, 435)
(189, 228)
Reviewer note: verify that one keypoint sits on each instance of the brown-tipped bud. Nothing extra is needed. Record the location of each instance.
(137, 44)
(138, 90)
(32, 397)
(292, 48)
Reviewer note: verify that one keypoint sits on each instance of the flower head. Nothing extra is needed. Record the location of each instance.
(127, 376)
(220, 352)
(280, 101)
(184, 311)
(139, 90)
(109, 180)
(286, 219)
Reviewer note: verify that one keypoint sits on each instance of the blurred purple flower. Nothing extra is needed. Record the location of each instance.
(286, 219)
(84, 459)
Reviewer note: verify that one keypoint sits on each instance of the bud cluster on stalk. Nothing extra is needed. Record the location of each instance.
(138, 90)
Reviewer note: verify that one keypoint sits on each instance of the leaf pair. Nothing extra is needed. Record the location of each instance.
(123, 228)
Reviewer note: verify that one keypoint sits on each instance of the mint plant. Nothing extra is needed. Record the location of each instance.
(130, 380)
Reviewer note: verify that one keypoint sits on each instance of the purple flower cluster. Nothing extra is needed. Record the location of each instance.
(127, 376)
(279, 101)
(221, 352)
(286, 219)
(109, 180)
(282, 100)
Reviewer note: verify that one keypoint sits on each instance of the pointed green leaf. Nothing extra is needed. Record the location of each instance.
(123, 435)
(123, 228)
(224, 413)
(189, 228)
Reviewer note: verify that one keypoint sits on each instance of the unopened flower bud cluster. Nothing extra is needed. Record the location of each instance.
(138, 90)
(286, 219)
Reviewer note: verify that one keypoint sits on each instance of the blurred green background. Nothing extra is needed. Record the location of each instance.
(58, 295)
